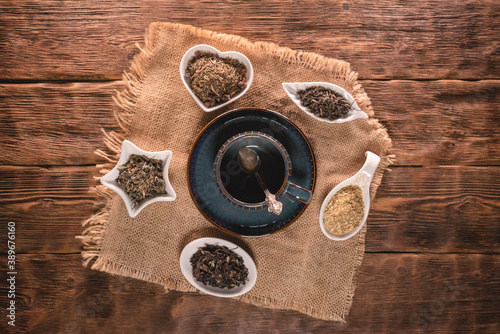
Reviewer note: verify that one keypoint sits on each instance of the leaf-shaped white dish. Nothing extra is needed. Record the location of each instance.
(228, 54)
(291, 88)
(109, 180)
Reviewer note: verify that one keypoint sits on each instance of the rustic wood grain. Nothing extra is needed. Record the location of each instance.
(443, 112)
(55, 124)
(445, 122)
(48, 206)
(440, 122)
(441, 210)
(95, 40)
(396, 293)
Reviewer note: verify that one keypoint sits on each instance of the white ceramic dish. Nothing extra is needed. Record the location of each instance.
(228, 54)
(291, 89)
(187, 269)
(363, 179)
(109, 180)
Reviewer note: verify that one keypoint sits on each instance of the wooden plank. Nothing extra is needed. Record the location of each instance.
(95, 40)
(48, 206)
(54, 124)
(431, 123)
(439, 210)
(432, 293)
(446, 209)
(440, 122)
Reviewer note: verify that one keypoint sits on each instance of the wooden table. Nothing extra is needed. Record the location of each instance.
(432, 70)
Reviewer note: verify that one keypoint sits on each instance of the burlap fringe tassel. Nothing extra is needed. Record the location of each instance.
(299, 58)
(93, 235)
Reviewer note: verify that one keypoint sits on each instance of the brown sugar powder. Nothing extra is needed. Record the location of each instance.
(344, 211)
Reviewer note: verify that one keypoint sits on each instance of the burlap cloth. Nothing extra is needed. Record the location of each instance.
(298, 267)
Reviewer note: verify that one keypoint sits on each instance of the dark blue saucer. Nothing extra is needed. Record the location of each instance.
(212, 199)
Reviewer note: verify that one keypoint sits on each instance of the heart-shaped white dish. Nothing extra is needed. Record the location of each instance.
(291, 89)
(228, 54)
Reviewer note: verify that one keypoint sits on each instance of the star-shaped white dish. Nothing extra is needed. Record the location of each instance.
(109, 180)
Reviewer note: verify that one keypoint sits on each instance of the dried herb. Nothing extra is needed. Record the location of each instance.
(214, 79)
(141, 177)
(344, 211)
(218, 266)
(324, 102)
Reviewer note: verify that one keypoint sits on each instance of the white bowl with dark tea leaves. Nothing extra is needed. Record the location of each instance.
(133, 164)
(218, 262)
(292, 89)
(215, 79)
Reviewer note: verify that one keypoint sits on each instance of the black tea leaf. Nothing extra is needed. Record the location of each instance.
(324, 102)
(218, 266)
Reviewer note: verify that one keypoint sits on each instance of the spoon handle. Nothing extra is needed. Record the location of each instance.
(371, 164)
(261, 183)
(273, 206)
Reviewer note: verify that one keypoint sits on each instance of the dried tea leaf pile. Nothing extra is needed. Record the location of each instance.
(141, 177)
(324, 102)
(218, 266)
(213, 79)
(344, 211)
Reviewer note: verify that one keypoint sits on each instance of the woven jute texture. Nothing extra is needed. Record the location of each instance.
(298, 267)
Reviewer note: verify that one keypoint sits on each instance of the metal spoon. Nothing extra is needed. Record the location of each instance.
(249, 162)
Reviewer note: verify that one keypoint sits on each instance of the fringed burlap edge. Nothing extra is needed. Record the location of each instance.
(93, 235)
